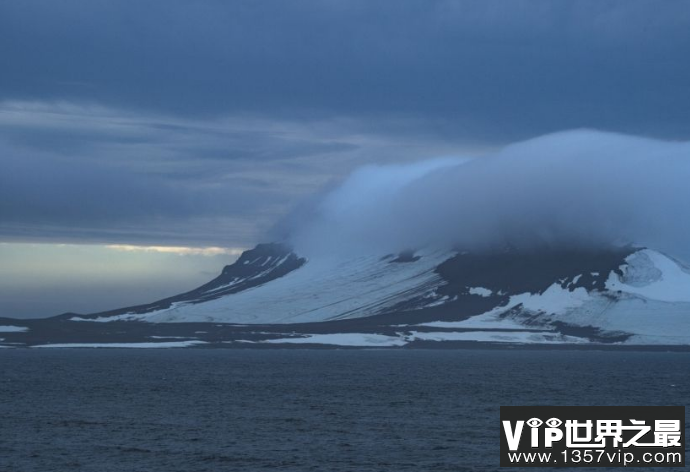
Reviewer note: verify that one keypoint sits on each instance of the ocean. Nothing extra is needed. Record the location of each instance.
(193, 410)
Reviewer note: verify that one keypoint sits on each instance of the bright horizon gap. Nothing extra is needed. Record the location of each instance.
(45, 279)
(180, 250)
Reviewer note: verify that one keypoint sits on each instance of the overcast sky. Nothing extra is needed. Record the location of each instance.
(177, 122)
(202, 123)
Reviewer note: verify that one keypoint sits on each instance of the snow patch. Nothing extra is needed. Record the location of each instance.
(170, 337)
(555, 299)
(481, 291)
(232, 283)
(344, 339)
(159, 345)
(13, 329)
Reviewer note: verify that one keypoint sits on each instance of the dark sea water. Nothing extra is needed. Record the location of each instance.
(298, 410)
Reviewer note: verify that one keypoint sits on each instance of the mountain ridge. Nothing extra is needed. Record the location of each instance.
(272, 297)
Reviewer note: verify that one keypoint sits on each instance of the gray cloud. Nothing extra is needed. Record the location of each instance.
(578, 188)
(99, 175)
(203, 122)
(486, 69)
(95, 174)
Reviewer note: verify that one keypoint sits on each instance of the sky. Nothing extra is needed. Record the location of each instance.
(154, 124)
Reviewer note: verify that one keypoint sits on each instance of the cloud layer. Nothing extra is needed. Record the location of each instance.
(75, 172)
(201, 123)
(577, 188)
(482, 68)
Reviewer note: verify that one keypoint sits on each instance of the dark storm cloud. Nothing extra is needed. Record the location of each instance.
(494, 69)
(45, 193)
(178, 121)
(92, 173)
(109, 176)
(69, 129)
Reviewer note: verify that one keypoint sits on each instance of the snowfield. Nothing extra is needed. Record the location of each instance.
(653, 276)
(326, 289)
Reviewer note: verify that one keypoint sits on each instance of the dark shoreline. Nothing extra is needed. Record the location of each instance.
(414, 345)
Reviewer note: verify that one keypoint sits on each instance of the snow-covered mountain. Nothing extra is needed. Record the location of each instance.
(272, 296)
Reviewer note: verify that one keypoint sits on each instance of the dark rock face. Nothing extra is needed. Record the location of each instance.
(510, 273)
(257, 266)
(513, 272)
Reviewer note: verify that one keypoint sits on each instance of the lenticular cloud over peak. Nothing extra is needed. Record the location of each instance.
(575, 188)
